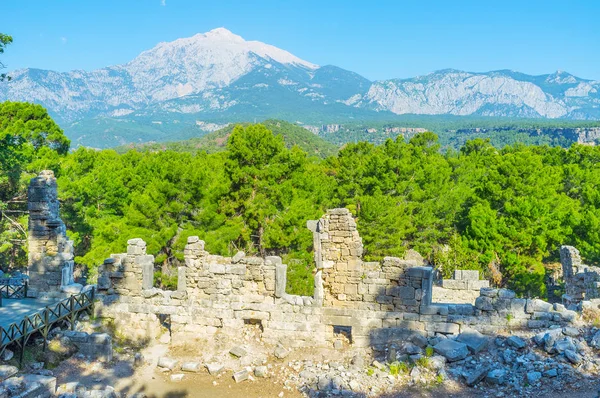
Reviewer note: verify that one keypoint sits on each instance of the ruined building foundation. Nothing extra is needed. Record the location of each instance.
(376, 303)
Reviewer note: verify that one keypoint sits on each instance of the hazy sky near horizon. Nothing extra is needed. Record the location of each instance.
(377, 39)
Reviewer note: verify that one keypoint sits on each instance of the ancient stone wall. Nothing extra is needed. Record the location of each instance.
(463, 288)
(50, 263)
(582, 282)
(374, 302)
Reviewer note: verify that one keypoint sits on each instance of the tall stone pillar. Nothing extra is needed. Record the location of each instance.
(49, 249)
(338, 256)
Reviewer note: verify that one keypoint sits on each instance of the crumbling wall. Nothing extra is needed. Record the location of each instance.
(50, 262)
(375, 302)
(582, 282)
(463, 288)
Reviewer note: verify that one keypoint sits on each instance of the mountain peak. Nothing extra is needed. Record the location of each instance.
(222, 34)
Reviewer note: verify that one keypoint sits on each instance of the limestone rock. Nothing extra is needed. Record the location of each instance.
(516, 342)
(476, 375)
(177, 377)
(238, 351)
(238, 257)
(167, 363)
(7, 371)
(7, 355)
(241, 375)
(573, 357)
(533, 377)
(280, 352)
(570, 331)
(452, 350)
(214, 368)
(474, 340)
(260, 371)
(595, 342)
(193, 367)
(496, 376)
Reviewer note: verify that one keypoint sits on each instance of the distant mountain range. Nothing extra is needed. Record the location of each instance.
(219, 77)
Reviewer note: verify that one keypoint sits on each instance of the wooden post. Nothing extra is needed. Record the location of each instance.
(45, 329)
(71, 318)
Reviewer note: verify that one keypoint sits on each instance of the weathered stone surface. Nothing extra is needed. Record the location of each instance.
(488, 292)
(241, 375)
(167, 363)
(238, 257)
(484, 303)
(474, 340)
(7, 355)
(7, 371)
(516, 342)
(452, 350)
(193, 367)
(595, 342)
(280, 352)
(476, 375)
(573, 357)
(260, 371)
(506, 294)
(496, 376)
(238, 351)
(177, 377)
(570, 331)
(214, 368)
(551, 373)
(533, 377)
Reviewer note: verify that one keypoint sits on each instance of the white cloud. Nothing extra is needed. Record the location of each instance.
(63, 40)
(163, 2)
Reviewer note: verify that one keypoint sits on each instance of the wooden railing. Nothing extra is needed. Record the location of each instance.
(41, 322)
(12, 288)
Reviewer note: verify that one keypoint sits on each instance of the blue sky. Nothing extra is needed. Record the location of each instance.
(378, 39)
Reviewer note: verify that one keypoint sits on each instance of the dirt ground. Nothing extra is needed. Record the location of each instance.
(151, 381)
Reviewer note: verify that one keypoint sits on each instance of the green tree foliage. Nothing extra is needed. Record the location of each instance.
(5, 40)
(504, 211)
(30, 141)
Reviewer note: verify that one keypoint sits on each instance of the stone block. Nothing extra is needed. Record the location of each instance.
(241, 375)
(477, 284)
(484, 303)
(280, 279)
(443, 327)
(470, 275)
(167, 363)
(216, 268)
(474, 340)
(193, 367)
(238, 351)
(214, 368)
(488, 292)
(238, 257)
(454, 284)
(451, 350)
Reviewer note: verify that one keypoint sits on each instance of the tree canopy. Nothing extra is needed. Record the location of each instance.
(504, 212)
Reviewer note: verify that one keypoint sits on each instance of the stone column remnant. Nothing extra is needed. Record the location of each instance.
(50, 262)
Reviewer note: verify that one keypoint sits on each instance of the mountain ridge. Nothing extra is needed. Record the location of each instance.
(220, 75)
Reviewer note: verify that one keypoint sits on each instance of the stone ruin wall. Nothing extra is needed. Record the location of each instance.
(463, 288)
(379, 302)
(50, 262)
(582, 282)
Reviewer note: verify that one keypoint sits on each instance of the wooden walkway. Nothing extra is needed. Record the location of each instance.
(22, 318)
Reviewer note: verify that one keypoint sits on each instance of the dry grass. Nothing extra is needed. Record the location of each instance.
(591, 316)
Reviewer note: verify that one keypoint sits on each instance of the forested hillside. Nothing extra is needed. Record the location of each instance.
(504, 212)
(217, 141)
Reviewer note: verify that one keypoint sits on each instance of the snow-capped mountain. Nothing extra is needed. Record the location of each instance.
(220, 76)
